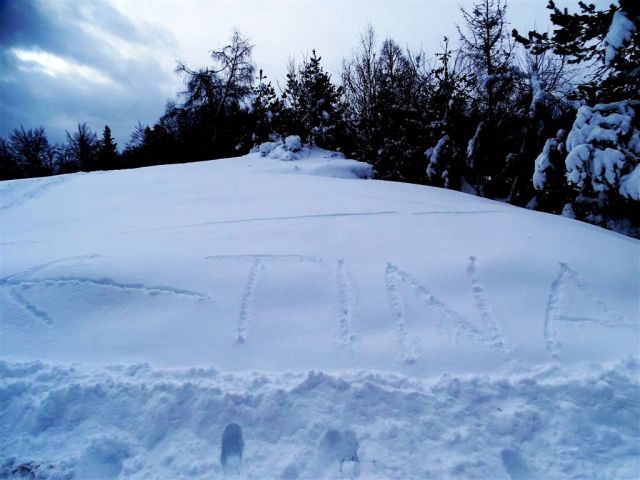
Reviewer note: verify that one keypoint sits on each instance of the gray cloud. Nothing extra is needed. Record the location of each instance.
(68, 62)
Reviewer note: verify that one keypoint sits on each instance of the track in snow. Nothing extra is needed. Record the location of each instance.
(491, 326)
(15, 285)
(556, 305)
(348, 304)
(17, 192)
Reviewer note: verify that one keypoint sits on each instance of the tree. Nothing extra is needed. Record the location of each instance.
(314, 104)
(487, 50)
(601, 149)
(400, 107)
(359, 79)
(215, 93)
(8, 166)
(237, 70)
(82, 147)
(605, 43)
(32, 152)
(386, 101)
(107, 156)
(266, 110)
(448, 130)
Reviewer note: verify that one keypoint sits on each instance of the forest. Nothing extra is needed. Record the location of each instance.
(543, 120)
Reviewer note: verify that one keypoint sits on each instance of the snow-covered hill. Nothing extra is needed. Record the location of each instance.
(143, 310)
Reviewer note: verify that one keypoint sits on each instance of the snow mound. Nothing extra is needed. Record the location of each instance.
(293, 143)
(139, 422)
(341, 168)
(314, 160)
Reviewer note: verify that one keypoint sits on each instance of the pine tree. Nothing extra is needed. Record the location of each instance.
(107, 156)
(314, 104)
(606, 42)
(488, 51)
(447, 128)
(266, 110)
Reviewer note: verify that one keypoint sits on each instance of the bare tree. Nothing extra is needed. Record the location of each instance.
(359, 77)
(226, 83)
(32, 152)
(82, 147)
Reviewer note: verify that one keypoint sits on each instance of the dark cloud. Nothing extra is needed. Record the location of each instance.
(105, 70)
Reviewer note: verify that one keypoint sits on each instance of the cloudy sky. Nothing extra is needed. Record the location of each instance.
(112, 61)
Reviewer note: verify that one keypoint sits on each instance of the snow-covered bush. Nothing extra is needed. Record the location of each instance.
(287, 150)
(267, 147)
(603, 146)
(595, 170)
(293, 143)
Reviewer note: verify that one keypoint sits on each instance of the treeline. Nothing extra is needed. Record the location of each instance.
(28, 153)
(545, 121)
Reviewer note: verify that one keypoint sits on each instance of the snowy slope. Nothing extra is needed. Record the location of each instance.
(456, 336)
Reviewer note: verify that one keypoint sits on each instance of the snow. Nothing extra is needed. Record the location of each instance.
(567, 211)
(135, 421)
(607, 165)
(435, 170)
(293, 143)
(538, 94)
(577, 164)
(288, 150)
(601, 123)
(630, 184)
(543, 164)
(471, 146)
(145, 310)
(620, 32)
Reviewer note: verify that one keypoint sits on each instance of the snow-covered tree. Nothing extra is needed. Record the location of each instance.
(602, 147)
(604, 151)
(605, 43)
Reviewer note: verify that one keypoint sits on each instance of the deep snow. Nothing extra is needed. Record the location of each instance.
(454, 336)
